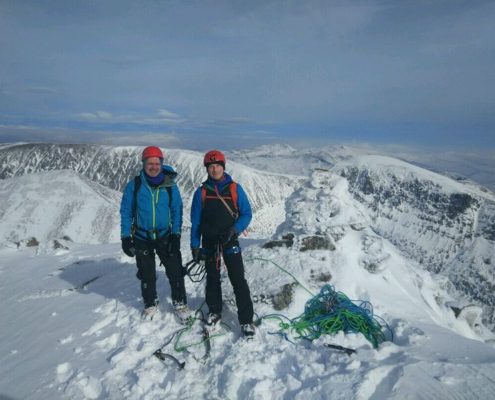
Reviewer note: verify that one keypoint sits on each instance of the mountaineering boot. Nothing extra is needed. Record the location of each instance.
(248, 331)
(150, 311)
(181, 311)
(212, 321)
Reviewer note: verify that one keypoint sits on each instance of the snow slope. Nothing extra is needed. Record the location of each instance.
(56, 204)
(75, 330)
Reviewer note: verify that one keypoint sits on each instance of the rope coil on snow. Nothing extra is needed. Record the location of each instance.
(330, 312)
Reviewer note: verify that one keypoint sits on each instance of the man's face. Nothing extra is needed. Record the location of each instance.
(152, 166)
(215, 171)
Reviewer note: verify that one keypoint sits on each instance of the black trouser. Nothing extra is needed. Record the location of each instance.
(235, 269)
(145, 260)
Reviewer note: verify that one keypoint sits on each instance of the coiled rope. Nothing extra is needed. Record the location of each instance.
(330, 312)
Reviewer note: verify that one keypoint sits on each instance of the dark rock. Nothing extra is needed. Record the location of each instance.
(287, 241)
(371, 267)
(317, 243)
(57, 245)
(457, 310)
(283, 298)
(32, 242)
(322, 276)
(458, 204)
(289, 237)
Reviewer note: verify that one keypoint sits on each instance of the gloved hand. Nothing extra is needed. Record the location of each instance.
(128, 247)
(196, 254)
(228, 236)
(173, 244)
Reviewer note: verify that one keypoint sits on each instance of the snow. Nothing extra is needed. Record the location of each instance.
(91, 343)
(72, 327)
(54, 204)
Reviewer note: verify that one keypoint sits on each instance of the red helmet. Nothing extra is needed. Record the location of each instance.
(214, 157)
(152, 151)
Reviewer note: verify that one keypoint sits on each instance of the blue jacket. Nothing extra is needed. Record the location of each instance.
(244, 209)
(157, 215)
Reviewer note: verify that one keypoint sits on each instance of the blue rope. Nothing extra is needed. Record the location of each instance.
(330, 312)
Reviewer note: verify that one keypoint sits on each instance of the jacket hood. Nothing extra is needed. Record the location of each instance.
(168, 172)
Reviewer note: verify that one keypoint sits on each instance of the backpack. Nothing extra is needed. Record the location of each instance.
(233, 194)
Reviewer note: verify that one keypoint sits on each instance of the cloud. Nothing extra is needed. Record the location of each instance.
(95, 116)
(162, 116)
(30, 133)
(41, 90)
(168, 115)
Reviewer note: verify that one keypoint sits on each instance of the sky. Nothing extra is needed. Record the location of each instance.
(234, 74)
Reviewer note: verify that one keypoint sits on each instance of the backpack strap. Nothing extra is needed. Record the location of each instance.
(233, 194)
(137, 185)
(203, 195)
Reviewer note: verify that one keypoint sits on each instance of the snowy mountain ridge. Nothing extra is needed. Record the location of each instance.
(448, 227)
(471, 168)
(115, 166)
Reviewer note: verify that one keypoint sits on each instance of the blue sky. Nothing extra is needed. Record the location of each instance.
(234, 74)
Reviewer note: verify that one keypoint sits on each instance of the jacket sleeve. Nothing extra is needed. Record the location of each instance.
(176, 210)
(196, 211)
(126, 210)
(245, 212)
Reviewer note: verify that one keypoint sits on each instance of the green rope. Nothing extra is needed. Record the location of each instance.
(287, 272)
(328, 313)
(183, 347)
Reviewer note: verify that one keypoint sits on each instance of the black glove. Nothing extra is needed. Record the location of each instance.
(173, 245)
(229, 236)
(196, 254)
(128, 247)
